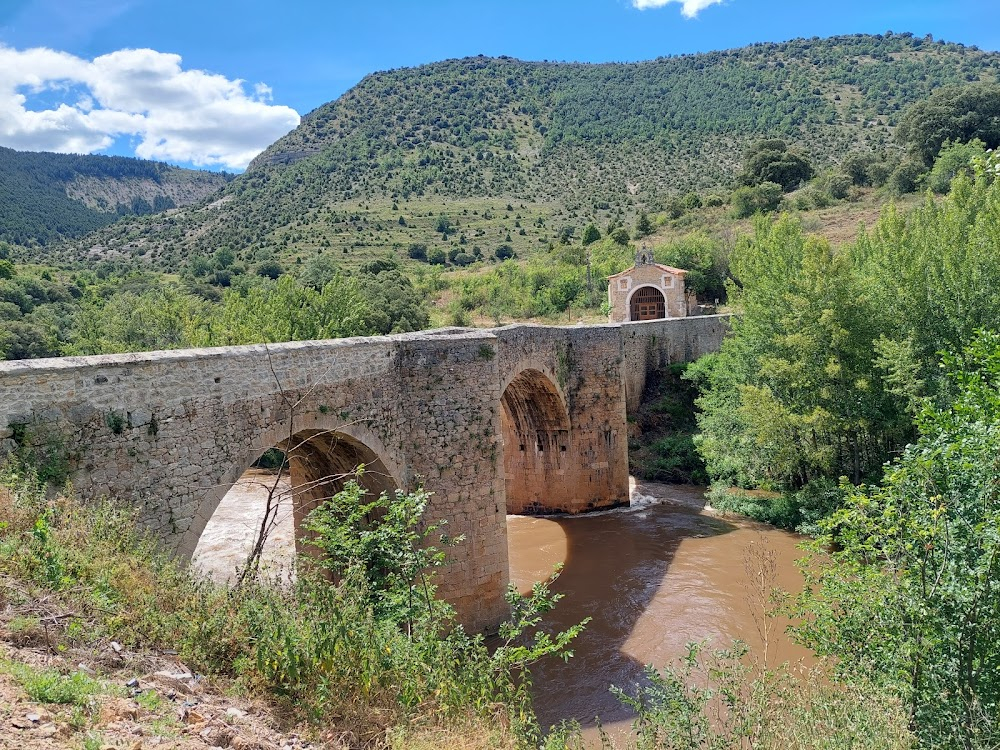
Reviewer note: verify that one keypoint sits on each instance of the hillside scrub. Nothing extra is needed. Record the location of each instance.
(558, 143)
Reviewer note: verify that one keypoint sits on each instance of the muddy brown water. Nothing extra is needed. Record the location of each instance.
(652, 577)
(233, 528)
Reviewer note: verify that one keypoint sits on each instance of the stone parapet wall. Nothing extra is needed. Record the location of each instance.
(651, 345)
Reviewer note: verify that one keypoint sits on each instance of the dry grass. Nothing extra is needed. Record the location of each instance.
(472, 736)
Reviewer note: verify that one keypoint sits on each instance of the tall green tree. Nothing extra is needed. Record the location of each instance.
(794, 394)
(771, 160)
(933, 276)
(912, 592)
(284, 310)
(951, 113)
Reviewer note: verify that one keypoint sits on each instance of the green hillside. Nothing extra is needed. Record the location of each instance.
(470, 156)
(45, 197)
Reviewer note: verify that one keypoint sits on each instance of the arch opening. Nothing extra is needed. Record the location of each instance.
(536, 436)
(647, 303)
(269, 502)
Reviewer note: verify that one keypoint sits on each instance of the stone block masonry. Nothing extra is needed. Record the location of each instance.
(519, 419)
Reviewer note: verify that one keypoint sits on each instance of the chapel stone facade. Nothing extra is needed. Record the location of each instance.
(647, 291)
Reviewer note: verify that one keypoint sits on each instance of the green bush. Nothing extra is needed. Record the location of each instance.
(762, 198)
(905, 178)
(954, 159)
(374, 648)
(51, 686)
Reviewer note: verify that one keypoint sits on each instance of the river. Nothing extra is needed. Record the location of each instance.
(652, 577)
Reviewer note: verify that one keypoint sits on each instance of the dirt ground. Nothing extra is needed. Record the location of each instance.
(148, 702)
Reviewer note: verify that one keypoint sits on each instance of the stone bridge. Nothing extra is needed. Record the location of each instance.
(517, 419)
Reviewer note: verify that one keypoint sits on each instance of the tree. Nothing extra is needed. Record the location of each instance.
(905, 178)
(929, 279)
(643, 225)
(318, 271)
(954, 159)
(794, 394)
(269, 269)
(284, 310)
(591, 234)
(772, 161)
(701, 257)
(762, 198)
(951, 113)
(444, 225)
(691, 201)
(913, 589)
(619, 236)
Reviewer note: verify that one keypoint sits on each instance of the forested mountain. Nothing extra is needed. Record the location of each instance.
(46, 197)
(474, 153)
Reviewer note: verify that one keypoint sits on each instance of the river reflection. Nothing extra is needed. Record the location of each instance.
(653, 578)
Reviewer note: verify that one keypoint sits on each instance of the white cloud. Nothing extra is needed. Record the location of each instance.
(689, 8)
(174, 114)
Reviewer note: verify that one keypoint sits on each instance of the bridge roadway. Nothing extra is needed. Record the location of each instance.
(522, 418)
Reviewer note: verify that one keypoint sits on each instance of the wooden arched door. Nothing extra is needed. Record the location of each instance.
(647, 304)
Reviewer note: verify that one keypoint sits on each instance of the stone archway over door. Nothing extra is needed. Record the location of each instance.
(647, 303)
(536, 437)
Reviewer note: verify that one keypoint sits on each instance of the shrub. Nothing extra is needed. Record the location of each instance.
(375, 647)
(51, 686)
(762, 198)
(904, 178)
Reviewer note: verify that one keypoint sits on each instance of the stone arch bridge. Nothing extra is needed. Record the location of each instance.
(517, 419)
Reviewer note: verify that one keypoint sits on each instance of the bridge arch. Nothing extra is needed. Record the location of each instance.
(536, 433)
(320, 459)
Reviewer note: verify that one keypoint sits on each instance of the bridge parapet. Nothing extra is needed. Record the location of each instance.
(653, 344)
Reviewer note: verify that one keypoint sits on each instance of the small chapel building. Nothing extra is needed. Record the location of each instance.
(647, 291)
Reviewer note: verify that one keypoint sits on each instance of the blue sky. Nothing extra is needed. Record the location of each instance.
(211, 82)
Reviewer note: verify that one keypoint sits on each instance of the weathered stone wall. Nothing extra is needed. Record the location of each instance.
(651, 345)
(172, 431)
